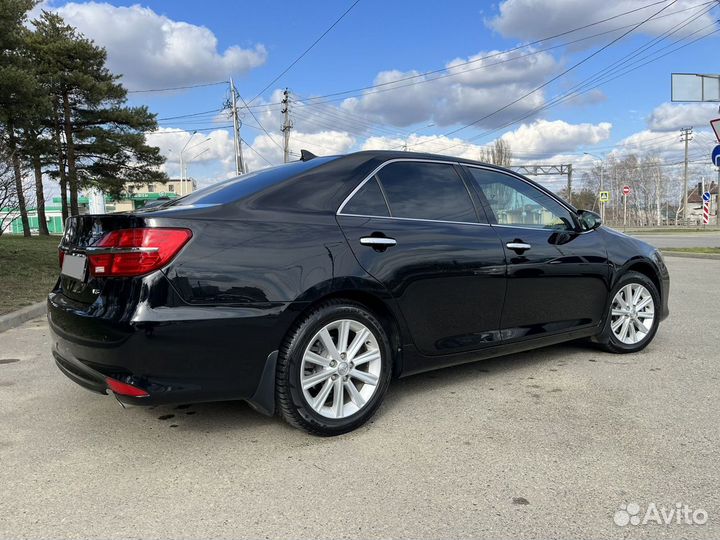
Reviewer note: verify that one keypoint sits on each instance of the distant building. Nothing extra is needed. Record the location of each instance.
(135, 196)
(695, 203)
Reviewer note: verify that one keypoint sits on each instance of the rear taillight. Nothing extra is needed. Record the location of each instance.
(61, 257)
(134, 252)
(125, 389)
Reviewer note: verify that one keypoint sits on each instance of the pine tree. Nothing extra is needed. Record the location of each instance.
(104, 142)
(19, 90)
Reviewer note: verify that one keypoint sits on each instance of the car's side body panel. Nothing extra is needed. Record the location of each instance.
(448, 278)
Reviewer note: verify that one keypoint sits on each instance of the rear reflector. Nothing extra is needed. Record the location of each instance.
(125, 389)
(134, 252)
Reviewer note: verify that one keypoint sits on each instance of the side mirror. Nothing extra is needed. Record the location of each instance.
(589, 220)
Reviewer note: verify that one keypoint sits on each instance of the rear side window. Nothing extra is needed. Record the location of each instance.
(421, 190)
(368, 201)
(237, 188)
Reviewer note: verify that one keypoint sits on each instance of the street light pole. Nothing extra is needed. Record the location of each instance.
(182, 164)
(602, 182)
(183, 172)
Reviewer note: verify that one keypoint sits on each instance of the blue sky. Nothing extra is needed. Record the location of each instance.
(160, 44)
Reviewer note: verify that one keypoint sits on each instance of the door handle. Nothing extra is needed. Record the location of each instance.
(377, 241)
(518, 246)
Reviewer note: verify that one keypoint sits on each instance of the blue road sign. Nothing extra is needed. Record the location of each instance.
(716, 156)
(706, 196)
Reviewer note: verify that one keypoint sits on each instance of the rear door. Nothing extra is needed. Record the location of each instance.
(414, 226)
(557, 276)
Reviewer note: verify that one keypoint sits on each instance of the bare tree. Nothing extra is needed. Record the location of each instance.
(9, 205)
(499, 153)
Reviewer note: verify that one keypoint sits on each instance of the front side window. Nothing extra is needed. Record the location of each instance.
(423, 190)
(514, 202)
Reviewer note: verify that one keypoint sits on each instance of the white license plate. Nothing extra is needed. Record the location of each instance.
(74, 266)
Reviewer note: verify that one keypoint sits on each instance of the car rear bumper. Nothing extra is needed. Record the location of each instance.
(81, 374)
(175, 357)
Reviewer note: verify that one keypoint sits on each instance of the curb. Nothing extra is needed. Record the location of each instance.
(16, 318)
(681, 254)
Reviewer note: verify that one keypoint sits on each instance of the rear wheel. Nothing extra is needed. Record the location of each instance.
(334, 369)
(632, 321)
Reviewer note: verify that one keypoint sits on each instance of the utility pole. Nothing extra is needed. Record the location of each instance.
(239, 163)
(287, 125)
(686, 137)
(569, 183)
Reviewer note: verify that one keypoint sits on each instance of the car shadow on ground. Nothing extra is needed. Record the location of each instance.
(224, 416)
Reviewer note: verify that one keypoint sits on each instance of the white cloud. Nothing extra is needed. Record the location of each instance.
(437, 144)
(532, 19)
(673, 116)
(325, 143)
(492, 81)
(212, 150)
(553, 137)
(528, 142)
(152, 50)
(662, 144)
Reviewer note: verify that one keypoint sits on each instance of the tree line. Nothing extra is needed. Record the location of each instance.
(64, 116)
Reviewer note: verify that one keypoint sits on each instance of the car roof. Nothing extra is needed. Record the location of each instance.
(318, 184)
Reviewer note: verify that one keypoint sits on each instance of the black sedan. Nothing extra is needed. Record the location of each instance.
(305, 288)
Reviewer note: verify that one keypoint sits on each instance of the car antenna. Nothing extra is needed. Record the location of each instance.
(306, 155)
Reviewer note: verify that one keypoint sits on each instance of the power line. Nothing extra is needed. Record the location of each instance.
(259, 123)
(311, 101)
(312, 45)
(573, 92)
(493, 55)
(561, 74)
(185, 131)
(189, 115)
(176, 88)
(257, 153)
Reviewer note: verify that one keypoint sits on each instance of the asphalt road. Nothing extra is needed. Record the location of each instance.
(537, 445)
(681, 240)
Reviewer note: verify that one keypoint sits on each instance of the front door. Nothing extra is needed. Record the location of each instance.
(414, 227)
(558, 276)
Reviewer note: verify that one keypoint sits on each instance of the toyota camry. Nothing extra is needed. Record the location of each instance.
(306, 288)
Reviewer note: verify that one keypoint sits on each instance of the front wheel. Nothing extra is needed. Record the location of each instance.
(632, 320)
(333, 369)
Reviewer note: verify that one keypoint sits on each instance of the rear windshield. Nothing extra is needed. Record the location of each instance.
(236, 188)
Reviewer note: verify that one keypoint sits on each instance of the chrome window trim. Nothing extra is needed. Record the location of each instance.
(412, 160)
(530, 228)
(417, 219)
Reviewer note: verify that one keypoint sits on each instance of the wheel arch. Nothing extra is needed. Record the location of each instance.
(645, 267)
(374, 303)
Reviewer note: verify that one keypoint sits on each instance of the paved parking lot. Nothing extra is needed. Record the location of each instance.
(543, 444)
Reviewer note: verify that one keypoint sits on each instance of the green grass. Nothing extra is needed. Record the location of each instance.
(713, 250)
(28, 270)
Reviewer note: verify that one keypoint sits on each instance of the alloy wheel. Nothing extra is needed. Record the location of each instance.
(632, 314)
(341, 368)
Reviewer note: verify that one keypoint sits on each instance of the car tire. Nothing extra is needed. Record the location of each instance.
(320, 389)
(633, 318)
